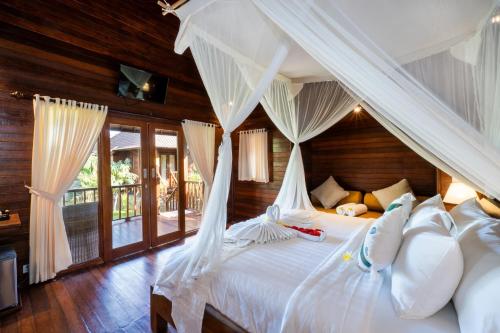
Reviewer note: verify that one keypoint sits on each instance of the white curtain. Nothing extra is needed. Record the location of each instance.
(487, 77)
(315, 109)
(200, 139)
(339, 45)
(253, 152)
(184, 279)
(466, 77)
(65, 133)
(452, 80)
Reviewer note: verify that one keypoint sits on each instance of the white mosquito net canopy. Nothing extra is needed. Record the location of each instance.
(428, 71)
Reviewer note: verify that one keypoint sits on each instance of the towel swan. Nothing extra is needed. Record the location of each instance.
(260, 230)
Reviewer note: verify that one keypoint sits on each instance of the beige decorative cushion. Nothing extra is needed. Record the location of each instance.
(329, 193)
(387, 195)
(490, 207)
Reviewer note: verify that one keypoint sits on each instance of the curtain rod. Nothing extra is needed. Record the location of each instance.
(20, 95)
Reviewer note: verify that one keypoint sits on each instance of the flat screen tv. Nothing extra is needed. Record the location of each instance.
(138, 84)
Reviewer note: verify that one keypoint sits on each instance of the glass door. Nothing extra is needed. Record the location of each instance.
(167, 185)
(80, 207)
(194, 189)
(126, 208)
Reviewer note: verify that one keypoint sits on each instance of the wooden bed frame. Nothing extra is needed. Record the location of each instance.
(213, 320)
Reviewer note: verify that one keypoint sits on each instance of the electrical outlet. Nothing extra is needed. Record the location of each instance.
(25, 269)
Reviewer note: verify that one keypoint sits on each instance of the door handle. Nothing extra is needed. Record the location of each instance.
(145, 173)
(153, 173)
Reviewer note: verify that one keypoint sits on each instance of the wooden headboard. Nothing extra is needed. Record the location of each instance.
(362, 155)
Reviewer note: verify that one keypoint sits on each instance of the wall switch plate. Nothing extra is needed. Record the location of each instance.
(25, 268)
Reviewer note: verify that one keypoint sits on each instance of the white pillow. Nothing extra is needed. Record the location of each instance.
(477, 298)
(329, 193)
(431, 210)
(426, 271)
(382, 240)
(387, 195)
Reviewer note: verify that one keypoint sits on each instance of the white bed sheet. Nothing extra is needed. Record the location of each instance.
(253, 288)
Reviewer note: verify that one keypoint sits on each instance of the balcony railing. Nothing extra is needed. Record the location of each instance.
(194, 195)
(127, 199)
(80, 196)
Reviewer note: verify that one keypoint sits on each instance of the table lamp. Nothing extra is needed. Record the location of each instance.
(458, 192)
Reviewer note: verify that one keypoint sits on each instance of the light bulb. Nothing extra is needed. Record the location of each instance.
(358, 108)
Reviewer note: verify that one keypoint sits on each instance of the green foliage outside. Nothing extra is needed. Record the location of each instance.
(120, 173)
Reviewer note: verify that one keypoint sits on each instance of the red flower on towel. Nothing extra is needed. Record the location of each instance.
(312, 232)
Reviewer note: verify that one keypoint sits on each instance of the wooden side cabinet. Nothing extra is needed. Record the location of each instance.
(13, 222)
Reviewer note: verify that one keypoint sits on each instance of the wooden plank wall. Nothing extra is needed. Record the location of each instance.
(73, 50)
(362, 155)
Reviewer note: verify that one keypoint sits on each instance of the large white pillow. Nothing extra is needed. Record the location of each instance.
(431, 210)
(426, 271)
(382, 240)
(329, 193)
(477, 298)
(388, 194)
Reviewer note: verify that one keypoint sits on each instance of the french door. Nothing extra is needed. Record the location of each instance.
(166, 183)
(142, 185)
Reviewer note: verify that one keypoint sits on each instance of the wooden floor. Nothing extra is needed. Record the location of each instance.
(109, 298)
(129, 232)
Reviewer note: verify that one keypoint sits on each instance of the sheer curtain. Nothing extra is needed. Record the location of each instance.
(253, 152)
(487, 76)
(338, 44)
(466, 77)
(185, 277)
(315, 109)
(200, 138)
(65, 133)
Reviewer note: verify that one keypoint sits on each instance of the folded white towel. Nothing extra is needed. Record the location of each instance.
(260, 230)
(342, 209)
(356, 210)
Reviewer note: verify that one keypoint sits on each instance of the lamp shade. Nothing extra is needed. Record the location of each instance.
(458, 192)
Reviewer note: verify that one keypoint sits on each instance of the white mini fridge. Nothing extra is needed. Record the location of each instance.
(8, 278)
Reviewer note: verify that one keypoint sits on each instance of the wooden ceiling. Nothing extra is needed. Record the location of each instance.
(130, 32)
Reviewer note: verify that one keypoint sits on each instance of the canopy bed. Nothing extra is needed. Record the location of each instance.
(431, 80)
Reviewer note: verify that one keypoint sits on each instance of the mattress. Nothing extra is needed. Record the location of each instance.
(253, 288)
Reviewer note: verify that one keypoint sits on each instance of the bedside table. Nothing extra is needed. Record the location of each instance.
(12, 222)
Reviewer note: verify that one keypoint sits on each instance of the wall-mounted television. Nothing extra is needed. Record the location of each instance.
(138, 84)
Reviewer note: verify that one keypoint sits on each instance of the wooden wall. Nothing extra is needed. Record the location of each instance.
(362, 155)
(73, 49)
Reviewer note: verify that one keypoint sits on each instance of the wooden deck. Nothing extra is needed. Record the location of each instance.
(112, 297)
(129, 232)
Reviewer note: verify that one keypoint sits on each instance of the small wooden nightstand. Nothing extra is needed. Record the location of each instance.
(13, 222)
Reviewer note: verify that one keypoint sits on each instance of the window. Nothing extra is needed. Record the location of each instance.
(253, 156)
